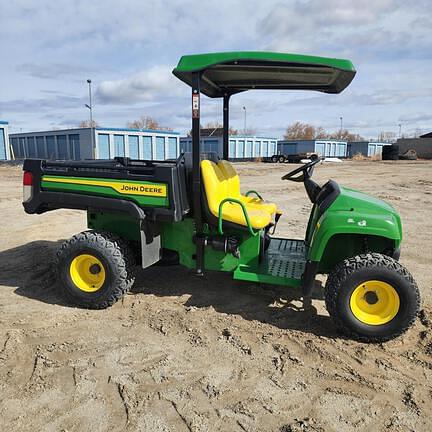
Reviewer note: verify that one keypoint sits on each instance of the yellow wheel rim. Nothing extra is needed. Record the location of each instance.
(374, 302)
(87, 273)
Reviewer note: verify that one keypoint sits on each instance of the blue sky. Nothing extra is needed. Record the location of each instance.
(49, 48)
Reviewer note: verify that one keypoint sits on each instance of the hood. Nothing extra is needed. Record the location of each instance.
(360, 201)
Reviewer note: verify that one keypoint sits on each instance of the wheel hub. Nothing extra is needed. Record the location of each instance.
(87, 273)
(95, 269)
(374, 302)
(371, 297)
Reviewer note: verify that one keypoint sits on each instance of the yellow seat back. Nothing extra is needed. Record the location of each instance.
(217, 187)
(233, 181)
(215, 184)
(232, 177)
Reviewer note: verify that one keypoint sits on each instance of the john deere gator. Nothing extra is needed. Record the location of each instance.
(192, 211)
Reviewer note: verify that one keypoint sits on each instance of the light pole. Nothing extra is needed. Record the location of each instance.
(341, 126)
(245, 111)
(90, 107)
(400, 130)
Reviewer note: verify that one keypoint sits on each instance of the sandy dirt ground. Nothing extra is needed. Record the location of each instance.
(186, 354)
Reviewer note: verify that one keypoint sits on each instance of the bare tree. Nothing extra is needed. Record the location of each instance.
(299, 130)
(249, 131)
(147, 122)
(345, 135)
(216, 128)
(87, 124)
(217, 125)
(306, 131)
(387, 136)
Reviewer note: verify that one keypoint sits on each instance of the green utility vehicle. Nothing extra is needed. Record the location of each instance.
(191, 211)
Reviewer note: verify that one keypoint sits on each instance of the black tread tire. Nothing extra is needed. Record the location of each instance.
(353, 271)
(274, 158)
(119, 262)
(281, 159)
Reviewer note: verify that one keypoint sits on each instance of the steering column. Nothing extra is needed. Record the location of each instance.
(304, 174)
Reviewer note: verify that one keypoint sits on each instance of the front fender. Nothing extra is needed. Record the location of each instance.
(387, 225)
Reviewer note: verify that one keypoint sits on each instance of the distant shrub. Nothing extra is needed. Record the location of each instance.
(359, 157)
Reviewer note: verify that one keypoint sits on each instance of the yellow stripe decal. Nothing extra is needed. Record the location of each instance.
(147, 189)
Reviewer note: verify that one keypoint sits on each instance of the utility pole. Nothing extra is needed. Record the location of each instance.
(90, 107)
(341, 126)
(245, 111)
(400, 130)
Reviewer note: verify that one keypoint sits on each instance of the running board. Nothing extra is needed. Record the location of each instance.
(283, 263)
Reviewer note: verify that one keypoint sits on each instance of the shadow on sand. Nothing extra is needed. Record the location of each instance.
(30, 269)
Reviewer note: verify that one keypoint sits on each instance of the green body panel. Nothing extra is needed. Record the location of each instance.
(233, 72)
(105, 188)
(123, 225)
(178, 237)
(337, 234)
(353, 216)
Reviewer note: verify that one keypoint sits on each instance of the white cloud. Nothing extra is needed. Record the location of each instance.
(129, 48)
(340, 27)
(53, 70)
(153, 83)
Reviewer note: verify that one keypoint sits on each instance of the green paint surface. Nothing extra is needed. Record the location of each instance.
(124, 225)
(357, 214)
(234, 72)
(337, 234)
(197, 62)
(178, 236)
(106, 191)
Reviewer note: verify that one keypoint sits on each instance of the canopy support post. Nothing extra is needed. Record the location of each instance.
(225, 144)
(196, 173)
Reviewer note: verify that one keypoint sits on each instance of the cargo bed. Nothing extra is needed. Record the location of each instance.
(155, 190)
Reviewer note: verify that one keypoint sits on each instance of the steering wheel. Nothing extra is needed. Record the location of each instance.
(306, 170)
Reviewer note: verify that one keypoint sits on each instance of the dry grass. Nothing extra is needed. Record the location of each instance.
(361, 157)
(376, 157)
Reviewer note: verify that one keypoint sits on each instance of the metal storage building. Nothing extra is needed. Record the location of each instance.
(422, 145)
(327, 147)
(365, 148)
(107, 143)
(4, 141)
(241, 147)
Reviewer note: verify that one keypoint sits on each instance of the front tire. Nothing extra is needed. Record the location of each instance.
(95, 269)
(372, 298)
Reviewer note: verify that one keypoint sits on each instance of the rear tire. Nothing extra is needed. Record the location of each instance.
(372, 298)
(281, 159)
(95, 269)
(274, 158)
